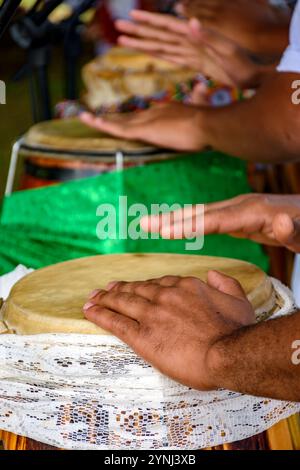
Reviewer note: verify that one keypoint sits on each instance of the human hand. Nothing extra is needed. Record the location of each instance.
(267, 219)
(175, 126)
(189, 44)
(174, 323)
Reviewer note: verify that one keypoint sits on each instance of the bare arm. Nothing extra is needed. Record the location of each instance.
(264, 128)
(261, 360)
(255, 25)
(213, 328)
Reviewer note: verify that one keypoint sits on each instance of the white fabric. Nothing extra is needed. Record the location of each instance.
(121, 10)
(93, 392)
(290, 61)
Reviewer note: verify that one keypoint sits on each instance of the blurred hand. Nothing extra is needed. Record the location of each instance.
(173, 322)
(189, 44)
(175, 126)
(267, 219)
(243, 21)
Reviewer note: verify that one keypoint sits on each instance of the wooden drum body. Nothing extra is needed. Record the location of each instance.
(64, 150)
(50, 300)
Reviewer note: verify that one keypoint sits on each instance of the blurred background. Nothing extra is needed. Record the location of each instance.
(93, 35)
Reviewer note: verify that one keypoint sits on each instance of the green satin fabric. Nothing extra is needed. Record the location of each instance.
(53, 224)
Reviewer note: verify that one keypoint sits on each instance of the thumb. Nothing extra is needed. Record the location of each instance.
(195, 27)
(226, 284)
(287, 231)
(150, 224)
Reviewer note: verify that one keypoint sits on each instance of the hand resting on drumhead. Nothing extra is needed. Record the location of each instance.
(255, 25)
(267, 219)
(203, 335)
(249, 129)
(160, 125)
(173, 322)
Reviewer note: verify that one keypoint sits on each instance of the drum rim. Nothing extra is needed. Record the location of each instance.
(96, 154)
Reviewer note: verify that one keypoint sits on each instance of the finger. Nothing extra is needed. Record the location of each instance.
(115, 127)
(151, 46)
(211, 38)
(206, 14)
(226, 284)
(258, 237)
(121, 326)
(167, 281)
(182, 60)
(89, 118)
(147, 32)
(199, 95)
(244, 198)
(287, 231)
(123, 303)
(94, 293)
(161, 21)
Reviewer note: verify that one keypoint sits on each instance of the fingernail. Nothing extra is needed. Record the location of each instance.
(111, 285)
(94, 294)
(88, 305)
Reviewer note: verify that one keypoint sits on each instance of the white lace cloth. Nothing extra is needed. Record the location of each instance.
(90, 392)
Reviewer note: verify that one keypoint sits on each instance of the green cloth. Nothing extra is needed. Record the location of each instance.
(57, 223)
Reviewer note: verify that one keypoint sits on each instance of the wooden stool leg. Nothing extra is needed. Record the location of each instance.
(259, 442)
(294, 426)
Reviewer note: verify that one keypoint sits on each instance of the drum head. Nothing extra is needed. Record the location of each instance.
(50, 300)
(73, 137)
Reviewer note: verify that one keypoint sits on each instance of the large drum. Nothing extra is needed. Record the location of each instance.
(64, 150)
(69, 384)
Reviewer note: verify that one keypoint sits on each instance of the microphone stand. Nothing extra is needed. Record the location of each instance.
(7, 11)
(36, 34)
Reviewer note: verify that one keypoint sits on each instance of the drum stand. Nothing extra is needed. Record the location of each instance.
(13, 166)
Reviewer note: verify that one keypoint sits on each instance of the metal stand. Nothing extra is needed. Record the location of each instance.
(13, 166)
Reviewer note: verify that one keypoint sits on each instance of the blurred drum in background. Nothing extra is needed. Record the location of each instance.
(64, 150)
(123, 74)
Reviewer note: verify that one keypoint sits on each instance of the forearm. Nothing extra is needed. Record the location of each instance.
(260, 73)
(265, 128)
(260, 360)
(273, 41)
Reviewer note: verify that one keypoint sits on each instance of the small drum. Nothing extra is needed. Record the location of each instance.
(133, 406)
(64, 150)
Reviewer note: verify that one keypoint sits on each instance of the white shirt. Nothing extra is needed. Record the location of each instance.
(290, 62)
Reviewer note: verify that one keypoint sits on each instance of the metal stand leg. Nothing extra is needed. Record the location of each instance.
(119, 160)
(13, 166)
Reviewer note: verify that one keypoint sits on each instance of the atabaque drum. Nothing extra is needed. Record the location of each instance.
(64, 150)
(66, 383)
